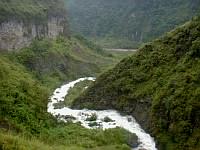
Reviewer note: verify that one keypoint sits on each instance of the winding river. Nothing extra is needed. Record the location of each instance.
(146, 142)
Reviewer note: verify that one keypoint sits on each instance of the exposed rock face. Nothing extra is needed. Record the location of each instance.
(15, 34)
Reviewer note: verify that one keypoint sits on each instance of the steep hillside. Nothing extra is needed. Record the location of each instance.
(127, 23)
(24, 118)
(159, 86)
(43, 55)
(63, 59)
(23, 100)
(21, 21)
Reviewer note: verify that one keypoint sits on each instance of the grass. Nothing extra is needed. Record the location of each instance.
(69, 137)
(75, 91)
(9, 141)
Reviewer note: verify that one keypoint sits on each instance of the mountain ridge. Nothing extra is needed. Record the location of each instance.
(127, 24)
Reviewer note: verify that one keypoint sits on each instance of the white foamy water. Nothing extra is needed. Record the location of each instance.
(146, 142)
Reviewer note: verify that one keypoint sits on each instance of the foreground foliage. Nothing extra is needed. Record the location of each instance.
(68, 137)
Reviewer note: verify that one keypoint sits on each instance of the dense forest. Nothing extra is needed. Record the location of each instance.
(159, 86)
(127, 23)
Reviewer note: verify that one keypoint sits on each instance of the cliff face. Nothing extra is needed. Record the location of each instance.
(22, 21)
(15, 34)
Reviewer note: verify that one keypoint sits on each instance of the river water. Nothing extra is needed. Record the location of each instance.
(146, 142)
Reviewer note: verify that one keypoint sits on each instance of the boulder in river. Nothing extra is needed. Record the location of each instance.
(129, 119)
(107, 119)
(94, 124)
(132, 140)
(68, 117)
(93, 117)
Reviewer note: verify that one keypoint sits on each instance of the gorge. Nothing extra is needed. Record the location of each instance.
(147, 88)
(126, 122)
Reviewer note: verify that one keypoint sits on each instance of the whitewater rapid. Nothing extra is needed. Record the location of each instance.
(146, 142)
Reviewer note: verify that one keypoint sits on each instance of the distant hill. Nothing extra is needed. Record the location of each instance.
(160, 86)
(127, 23)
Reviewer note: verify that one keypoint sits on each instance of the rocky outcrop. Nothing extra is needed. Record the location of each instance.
(15, 34)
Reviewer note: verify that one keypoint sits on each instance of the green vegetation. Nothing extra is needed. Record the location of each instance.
(63, 59)
(27, 10)
(119, 55)
(75, 91)
(28, 77)
(68, 137)
(23, 100)
(160, 86)
(125, 24)
(115, 42)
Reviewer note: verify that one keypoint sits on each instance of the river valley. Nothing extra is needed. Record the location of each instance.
(146, 142)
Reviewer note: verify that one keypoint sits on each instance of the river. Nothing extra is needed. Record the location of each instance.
(146, 142)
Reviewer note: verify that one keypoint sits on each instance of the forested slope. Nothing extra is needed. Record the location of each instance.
(117, 23)
(63, 59)
(159, 86)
